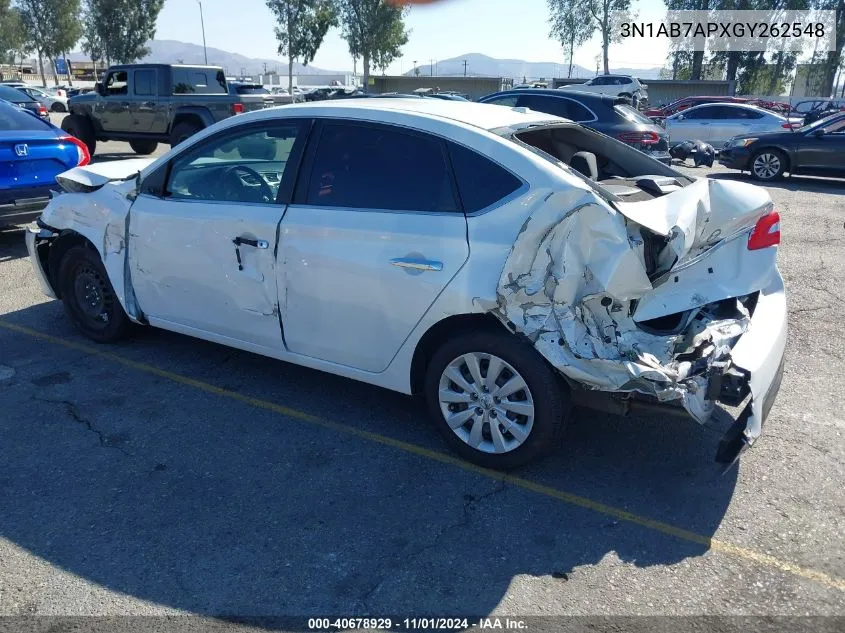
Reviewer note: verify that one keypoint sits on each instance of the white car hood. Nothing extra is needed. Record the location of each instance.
(95, 176)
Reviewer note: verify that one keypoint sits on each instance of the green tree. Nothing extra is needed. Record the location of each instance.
(697, 57)
(602, 13)
(12, 34)
(568, 27)
(374, 31)
(832, 60)
(301, 26)
(118, 30)
(52, 26)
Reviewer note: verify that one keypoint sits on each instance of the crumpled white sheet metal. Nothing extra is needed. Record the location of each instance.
(569, 283)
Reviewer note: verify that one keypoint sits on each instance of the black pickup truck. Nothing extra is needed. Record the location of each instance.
(148, 104)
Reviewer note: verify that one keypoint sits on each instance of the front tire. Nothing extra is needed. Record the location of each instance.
(495, 400)
(143, 148)
(768, 165)
(58, 107)
(89, 298)
(82, 128)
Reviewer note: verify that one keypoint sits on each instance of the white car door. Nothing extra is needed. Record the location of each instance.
(203, 235)
(374, 234)
(691, 125)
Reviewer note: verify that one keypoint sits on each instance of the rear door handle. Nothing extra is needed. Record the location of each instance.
(417, 264)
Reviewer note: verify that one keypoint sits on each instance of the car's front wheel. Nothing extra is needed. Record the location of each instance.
(58, 107)
(495, 400)
(88, 296)
(768, 164)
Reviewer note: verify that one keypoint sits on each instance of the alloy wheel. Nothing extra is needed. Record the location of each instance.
(766, 166)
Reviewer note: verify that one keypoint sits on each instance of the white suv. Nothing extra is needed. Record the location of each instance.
(614, 85)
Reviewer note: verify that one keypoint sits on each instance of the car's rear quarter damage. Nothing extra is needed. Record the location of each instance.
(660, 298)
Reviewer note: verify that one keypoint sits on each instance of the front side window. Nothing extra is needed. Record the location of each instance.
(700, 113)
(836, 127)
(379, 167)
(117, 82)
(241, 166)
(509, 101)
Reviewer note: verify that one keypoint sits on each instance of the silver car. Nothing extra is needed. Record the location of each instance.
(716, 123)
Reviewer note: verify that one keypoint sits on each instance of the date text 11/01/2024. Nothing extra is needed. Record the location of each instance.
(416, 624)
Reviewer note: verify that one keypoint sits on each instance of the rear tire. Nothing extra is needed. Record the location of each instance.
(81, 127)
(515, 426)
(89, 298)
(143, 148)
(181, 132)
(58, 107)
(768, 165)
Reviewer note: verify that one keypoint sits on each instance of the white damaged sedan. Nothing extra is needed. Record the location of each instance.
(504, 263)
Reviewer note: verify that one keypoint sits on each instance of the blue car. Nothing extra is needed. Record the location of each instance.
(32, 153)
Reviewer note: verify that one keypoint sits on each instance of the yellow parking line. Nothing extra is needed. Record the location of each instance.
(526, 484)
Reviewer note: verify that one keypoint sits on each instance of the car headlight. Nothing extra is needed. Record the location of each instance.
(741, 142)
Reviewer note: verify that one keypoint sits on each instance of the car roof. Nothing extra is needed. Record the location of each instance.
(556, 92)
(480, 115)
(741, 106)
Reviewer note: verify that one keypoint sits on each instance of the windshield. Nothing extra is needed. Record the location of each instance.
(819, 123)
(13, 95)
(251, 90)
(13, 119)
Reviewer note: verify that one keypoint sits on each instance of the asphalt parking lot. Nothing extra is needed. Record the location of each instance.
(166, 475)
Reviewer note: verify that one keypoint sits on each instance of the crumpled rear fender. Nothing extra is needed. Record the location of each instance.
(577, 285)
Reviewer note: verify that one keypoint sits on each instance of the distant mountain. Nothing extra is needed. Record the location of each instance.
(478, 65)
(173, 52)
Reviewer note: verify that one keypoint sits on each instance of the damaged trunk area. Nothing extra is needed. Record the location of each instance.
(635, 279)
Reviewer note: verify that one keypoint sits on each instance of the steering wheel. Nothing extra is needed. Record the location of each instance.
(231, 176)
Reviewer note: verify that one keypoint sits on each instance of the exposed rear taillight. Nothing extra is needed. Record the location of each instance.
(237, 108)
(766, 232)
(83, 156)
(646, 138)
(42, 110)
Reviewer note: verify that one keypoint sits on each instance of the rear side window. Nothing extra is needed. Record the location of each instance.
(379, 167)
(145, 82)
(558, 106)
(481, 182)
(251, 90)
(13, 119)
(198, 81)
(628, 113)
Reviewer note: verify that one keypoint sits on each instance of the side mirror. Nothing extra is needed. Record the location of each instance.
(680, 117)
(819, 133)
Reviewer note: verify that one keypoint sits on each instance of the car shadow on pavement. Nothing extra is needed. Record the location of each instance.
(790, 183)
(12, 245)
(157, 490)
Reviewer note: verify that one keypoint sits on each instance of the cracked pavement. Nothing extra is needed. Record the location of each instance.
(127, 492)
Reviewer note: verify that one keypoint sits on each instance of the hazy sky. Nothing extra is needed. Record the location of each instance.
(516, 29)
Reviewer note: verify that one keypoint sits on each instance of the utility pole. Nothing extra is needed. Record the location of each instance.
(202, 24)
(465, 68)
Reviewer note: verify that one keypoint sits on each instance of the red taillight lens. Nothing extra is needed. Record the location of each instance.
(42, 110)
(646, 138)
(766, 232)
(83, 156)
(237, 108)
